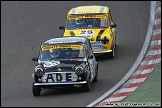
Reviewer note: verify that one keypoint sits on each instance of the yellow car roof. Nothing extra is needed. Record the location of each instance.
(89, 9)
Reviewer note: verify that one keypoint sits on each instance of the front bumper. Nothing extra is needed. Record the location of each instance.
(60, 83)
(97, 48)
(101, 51)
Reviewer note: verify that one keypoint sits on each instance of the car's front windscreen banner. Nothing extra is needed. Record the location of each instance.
(61, 46)
(85, 16)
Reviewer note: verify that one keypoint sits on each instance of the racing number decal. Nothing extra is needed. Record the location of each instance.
(51, 63)
(87, 33)
(82, 32)
(90, 32)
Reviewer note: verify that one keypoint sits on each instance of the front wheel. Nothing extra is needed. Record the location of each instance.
(111, 54)
(36, 90)
(86, 87)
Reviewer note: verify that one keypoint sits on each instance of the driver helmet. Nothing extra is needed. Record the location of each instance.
(69, 51)
(79, 21)
(54, 52)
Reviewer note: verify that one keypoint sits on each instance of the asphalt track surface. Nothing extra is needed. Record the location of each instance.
(25, 25)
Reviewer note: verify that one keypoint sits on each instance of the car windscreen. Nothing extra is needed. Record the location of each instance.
(62, 51)
(87, 22)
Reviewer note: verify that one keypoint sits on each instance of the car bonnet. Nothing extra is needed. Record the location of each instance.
(62, 65)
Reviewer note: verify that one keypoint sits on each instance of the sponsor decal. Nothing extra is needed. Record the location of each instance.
(85, 16)
(61, 46)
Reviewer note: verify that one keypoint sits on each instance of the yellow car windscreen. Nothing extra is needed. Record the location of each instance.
(86, 21)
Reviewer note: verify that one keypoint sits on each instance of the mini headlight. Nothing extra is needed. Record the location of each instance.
(105, 40)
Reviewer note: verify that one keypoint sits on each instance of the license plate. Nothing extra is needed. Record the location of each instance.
(59, 77)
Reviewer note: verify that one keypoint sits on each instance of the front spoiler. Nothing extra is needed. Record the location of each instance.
(60, 83)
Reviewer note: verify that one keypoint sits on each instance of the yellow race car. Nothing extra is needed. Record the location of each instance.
(94, 22)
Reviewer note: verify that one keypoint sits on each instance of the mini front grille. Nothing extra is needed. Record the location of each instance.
(97, 46)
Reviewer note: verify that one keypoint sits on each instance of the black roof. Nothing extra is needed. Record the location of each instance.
(61, 40)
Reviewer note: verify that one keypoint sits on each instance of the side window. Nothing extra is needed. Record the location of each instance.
(104, 22)
(89, 47)
(86, 49)
(70, 24)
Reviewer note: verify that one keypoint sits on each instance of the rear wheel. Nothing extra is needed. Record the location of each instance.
(36, 90)
(115, 32)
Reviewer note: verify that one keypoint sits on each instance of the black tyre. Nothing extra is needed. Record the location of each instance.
(111, 54)
(36, 90)
(86, 87)
(95, 79)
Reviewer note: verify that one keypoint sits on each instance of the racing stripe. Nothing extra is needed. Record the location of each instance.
(73, 11)
(99, 35)
(72, 33)
(101, 9)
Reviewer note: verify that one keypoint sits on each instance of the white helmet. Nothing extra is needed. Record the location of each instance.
(54, 52)
(79, 21)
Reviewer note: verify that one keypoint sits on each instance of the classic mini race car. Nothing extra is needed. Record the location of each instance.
(94, 22)
(65, 62)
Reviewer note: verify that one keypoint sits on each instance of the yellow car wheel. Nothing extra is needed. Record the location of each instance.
(111, 54)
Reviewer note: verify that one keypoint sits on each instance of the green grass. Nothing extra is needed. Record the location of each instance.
(148, 92)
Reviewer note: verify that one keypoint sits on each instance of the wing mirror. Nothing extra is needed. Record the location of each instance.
(113, 26)
(35, 58)
(62, 27)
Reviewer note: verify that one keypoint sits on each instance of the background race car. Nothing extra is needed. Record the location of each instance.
(95, 23)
